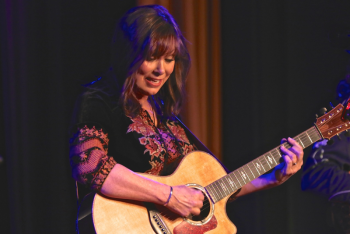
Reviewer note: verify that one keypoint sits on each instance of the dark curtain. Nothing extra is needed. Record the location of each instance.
(278, 69)
(48, 49)
(199, 20)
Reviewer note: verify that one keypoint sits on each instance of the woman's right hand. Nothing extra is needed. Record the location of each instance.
(185, 201)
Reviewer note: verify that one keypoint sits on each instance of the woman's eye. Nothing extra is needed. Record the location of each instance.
(169, 60)
(151, 59)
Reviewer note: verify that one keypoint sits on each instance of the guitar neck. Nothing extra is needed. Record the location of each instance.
(243, 175)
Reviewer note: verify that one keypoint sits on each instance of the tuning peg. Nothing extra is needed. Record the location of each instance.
(330, 142)
(338, 136)
(322, 111)
(316, 116)
(331, 105)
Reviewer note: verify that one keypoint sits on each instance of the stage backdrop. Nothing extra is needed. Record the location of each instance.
(261, 70)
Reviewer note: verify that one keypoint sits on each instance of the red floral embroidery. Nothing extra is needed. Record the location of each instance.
(91, 166)
(179, 133)
(88, 133)
(153, 146)
(157, 167)
(188, 149)
(141, 126)
(159, 141)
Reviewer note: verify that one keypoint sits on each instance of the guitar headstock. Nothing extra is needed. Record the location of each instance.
(334, 122)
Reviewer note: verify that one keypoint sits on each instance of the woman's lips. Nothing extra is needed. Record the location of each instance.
(154, 82)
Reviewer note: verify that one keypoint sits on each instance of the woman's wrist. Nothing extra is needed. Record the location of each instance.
(169, 197)
(280, 178)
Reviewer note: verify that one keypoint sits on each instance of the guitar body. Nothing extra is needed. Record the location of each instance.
(199, 169)
(123, 216)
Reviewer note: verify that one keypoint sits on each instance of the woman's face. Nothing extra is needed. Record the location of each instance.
(152, 74)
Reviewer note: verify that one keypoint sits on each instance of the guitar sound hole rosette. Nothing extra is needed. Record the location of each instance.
(206, 212)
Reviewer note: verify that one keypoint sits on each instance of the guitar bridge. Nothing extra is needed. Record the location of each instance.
(157, 223)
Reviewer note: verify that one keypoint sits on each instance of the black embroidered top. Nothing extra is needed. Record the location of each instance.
(104, 135)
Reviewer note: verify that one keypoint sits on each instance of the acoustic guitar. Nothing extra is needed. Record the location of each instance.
(203, 172)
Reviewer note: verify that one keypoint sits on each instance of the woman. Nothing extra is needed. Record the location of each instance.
(128, 124)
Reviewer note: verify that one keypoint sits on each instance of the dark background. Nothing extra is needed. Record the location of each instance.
(278, 69)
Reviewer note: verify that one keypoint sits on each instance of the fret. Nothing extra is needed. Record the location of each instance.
(309, 137)
(306, 140)
(228, 184)
(313, 135)
(237, 178)
(256, 167)
(272, 155)
(251, 171)
(221, 191)
(264, 162)
(268, 162)
(259, 164)
(213, 192)
(246, 173)
(316, 134)
(224, 188)
(301, 142)
(242, 174)
(210, 191)
(233, 176)
(317, 137)
(217, 189)
(232, 183)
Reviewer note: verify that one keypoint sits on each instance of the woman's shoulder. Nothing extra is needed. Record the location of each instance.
(96, 105)
(90, 98)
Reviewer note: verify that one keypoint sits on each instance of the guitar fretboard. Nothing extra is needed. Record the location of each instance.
(243, 175)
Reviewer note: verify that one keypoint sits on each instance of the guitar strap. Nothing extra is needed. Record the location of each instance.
(200, 146)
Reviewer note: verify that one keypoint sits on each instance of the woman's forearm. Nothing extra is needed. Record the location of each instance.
(263, 182)
(125, 184)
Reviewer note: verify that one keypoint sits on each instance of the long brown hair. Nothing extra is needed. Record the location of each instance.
(144, 32)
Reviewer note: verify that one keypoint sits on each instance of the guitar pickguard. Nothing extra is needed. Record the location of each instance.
(186, 228)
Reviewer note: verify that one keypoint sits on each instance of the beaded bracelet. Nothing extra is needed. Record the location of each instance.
(171, 193)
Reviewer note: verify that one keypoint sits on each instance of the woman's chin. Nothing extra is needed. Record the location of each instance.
(152, 92)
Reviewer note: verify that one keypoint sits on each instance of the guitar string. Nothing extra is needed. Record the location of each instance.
(306, 138)
(307, 135)
(204, 207)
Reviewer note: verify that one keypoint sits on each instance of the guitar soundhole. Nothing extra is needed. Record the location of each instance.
(205, 210)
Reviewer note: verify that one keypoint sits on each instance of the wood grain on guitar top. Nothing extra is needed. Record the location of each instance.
(124, 216)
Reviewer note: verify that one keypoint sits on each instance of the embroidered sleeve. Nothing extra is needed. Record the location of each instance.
(88, 157)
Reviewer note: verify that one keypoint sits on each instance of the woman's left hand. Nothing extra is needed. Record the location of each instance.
(293, 160)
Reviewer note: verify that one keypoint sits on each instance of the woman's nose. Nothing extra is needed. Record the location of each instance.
(159, 70)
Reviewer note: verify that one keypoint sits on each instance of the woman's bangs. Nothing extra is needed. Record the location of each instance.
(164, 46)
